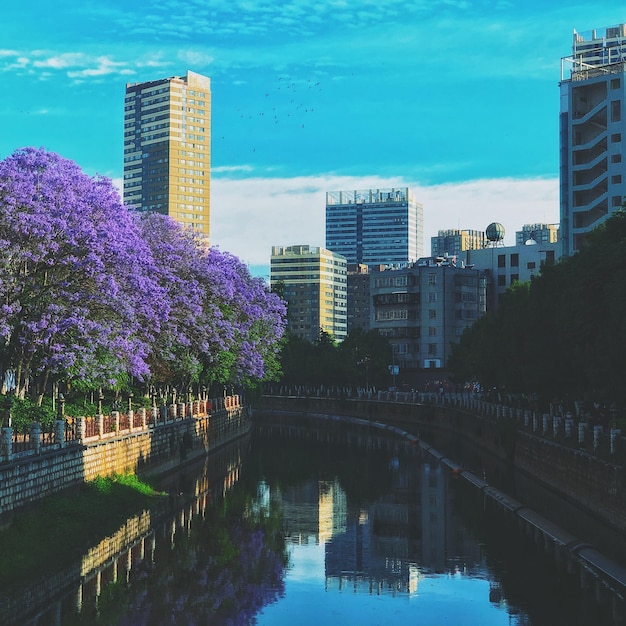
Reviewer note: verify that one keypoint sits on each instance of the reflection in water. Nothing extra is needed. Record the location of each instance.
(284, 532)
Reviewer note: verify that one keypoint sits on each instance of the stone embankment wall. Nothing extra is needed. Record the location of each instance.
(31, 477)
(590, 477)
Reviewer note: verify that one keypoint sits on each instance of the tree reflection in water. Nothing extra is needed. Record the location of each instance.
(224, 571)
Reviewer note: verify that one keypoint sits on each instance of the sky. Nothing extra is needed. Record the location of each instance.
(456, 99)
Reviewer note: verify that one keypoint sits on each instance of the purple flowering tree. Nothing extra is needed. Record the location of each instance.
(224, 325)
(78, 297)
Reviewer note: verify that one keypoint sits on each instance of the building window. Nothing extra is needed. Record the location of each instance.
(616, 138)
(617, 179)
(616, 111)
(515, 260)
(616, 83)
(550, 257)
(501, 280)
(616, 158)
(432, 278)
(432, 349)
(616, 201)
(530, 265)
(432, 331)
(432, 297)
(501, 260)
(514, 278)
(432, 314)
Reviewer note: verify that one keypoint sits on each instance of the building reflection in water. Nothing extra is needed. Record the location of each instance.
(386, 546)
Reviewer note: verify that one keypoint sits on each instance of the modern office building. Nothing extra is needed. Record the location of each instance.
(314, 285)
(375, 226)
(537, 233)
(425, 307)
(167, 148)
(592, 132)
(457, 242)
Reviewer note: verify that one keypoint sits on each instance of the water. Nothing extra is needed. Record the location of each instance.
(282, 532)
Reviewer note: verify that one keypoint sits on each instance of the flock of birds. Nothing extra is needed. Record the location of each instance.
(287, 102)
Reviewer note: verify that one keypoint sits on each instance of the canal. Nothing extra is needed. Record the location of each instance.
(274, 531)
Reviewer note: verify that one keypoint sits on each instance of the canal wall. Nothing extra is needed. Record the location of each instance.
(590, 477)
(32, 476)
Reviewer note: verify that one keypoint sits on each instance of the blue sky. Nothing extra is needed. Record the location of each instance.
(457, 99)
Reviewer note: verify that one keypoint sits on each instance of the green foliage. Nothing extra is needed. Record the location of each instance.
(62, 525)
(26, 411)
(562, 334)
(360, 360)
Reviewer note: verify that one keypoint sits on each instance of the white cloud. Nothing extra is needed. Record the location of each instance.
(249, 216)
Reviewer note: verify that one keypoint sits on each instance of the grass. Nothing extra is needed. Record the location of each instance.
(61, 527)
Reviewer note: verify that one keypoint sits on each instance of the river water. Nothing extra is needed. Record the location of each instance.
(289, 532)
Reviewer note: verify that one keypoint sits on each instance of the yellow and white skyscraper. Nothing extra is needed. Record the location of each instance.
(167, 148)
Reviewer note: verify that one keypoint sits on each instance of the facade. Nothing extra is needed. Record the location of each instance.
(457, 242)
(359, 300)
(314, 286)
(505, 265)
(538, 233)
(375, 226)
(167, 148)
(592, 133)
(424, 307)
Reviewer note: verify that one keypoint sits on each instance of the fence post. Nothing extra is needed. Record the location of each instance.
(116, 417)
(59, 432)
(100, 422)
(142, 417)
(35, 436)
(81, 429)
(6, 443)
(615, 434)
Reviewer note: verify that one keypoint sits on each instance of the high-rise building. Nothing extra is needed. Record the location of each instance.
(313, 283)
(375, 226)
(592, 133)
(457, 242)
(537, 233)
(167, 148)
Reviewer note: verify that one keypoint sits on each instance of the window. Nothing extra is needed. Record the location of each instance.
(616, 111)
(501, 280)
(530, 265)
(514, 278)
(432, 297)
(432, 349)
(616, 201)
(501, 260)
(550, 257)
(617, 179)
(616, 158)
(515, 260)
(432, 278)
(615, 83)
(432, 314)
(616, 138)
(432, 331)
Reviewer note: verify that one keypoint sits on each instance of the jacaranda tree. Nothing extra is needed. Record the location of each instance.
(95, 293)
(78, 297)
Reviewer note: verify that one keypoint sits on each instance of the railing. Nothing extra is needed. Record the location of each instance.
(573, 428)
(80, 430)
